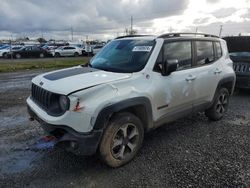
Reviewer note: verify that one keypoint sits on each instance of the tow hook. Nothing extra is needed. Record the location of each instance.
(46, 142)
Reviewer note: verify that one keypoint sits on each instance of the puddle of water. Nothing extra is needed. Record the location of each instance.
(18, 162)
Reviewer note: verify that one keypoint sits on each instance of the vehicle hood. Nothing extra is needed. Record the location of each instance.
(240, 59)
(77, 78)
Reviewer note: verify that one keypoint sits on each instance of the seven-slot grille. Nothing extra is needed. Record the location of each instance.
(41, 96)
(241, 67)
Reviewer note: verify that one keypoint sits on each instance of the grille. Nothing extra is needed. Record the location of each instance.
(241, 67)
(41, 96)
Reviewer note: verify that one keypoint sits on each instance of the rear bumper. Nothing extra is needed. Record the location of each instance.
(69, 139)
(242, 82)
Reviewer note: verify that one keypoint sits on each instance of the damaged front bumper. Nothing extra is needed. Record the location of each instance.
(69, 139)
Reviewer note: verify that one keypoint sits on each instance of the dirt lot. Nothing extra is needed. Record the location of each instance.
(192, 152)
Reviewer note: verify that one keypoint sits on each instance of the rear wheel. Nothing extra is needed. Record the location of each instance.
(121, 140)
(57, 54)
(41, 55)
(76, 54)
(18, 56)
(220, 105)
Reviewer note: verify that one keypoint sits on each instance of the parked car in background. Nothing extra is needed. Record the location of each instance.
(87, 50)
(6, 50)
(67, 51)
(241, 66)
(96, 49)
(29, 51)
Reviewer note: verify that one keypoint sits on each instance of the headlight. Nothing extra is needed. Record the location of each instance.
(64, 102)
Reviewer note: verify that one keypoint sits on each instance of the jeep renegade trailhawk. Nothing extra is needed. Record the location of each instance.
(134, 84)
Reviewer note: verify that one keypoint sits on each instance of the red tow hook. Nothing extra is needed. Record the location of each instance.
(48, 138)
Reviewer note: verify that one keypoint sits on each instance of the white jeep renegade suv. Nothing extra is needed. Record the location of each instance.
(133, 85)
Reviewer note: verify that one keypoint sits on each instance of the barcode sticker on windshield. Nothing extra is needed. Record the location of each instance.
(142, 49)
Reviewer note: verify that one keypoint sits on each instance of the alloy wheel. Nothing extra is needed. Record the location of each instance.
(125, 141)
(222, 103)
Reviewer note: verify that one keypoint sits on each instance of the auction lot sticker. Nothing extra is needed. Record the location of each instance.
(142, 49)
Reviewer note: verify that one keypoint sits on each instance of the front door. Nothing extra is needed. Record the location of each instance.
(174, 95)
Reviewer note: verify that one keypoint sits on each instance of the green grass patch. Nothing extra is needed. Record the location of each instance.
(13, 66)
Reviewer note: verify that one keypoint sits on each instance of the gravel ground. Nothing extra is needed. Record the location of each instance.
(191, 152)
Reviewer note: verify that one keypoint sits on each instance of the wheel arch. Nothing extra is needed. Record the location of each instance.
(139, 106)
(227, 82)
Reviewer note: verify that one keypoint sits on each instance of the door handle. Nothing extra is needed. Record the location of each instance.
(217, 71)
(190, 78)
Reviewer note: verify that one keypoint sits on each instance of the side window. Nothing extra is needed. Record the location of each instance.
(205, 52)
(180, 51)
(218, 50)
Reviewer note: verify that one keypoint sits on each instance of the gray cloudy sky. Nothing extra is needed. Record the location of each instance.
(108, 18)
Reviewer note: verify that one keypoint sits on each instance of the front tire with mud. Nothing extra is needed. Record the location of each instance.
(121, 140)
(219, 106)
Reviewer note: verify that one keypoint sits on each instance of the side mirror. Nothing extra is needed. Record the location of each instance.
(169, 66)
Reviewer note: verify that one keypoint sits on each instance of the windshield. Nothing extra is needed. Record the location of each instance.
(125, 56)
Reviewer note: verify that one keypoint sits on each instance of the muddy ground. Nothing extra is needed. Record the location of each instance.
(192, 152)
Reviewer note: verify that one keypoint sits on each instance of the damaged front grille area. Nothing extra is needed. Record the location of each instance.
(47, 100)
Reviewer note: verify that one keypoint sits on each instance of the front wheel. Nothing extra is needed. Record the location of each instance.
(76, 54)
(121, 140)
(41, 55)
(220, 105)
(18, 56)
(5, 55)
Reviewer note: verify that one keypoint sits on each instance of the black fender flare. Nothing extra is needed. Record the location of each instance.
(105, 114)
(229, 79)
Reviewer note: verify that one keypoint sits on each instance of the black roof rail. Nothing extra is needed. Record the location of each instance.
(170, 35)
(127, 36)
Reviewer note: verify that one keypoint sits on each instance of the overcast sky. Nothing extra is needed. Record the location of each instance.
(103, 19)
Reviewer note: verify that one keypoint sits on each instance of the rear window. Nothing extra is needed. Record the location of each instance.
(218, 50)
(205, 52)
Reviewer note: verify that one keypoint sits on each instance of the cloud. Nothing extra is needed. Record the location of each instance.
(86, 16)
(99, 18)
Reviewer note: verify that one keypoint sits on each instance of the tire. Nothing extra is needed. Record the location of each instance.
(121, 140)
(18, 56)
(41, 55)
(219, 106)
(76, 54)
(5, 55)
(57, 54)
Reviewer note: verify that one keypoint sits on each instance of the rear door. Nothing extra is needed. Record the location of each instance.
(207, 72)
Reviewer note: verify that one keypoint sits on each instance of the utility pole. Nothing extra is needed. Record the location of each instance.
(72, 33)
(221, 26)
(131, 25)
(196, 30)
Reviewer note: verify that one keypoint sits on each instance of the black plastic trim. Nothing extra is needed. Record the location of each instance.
(87, 143)
(229, 79)
(106, 113)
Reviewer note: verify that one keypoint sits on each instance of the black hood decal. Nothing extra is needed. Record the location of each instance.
(69, 72)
